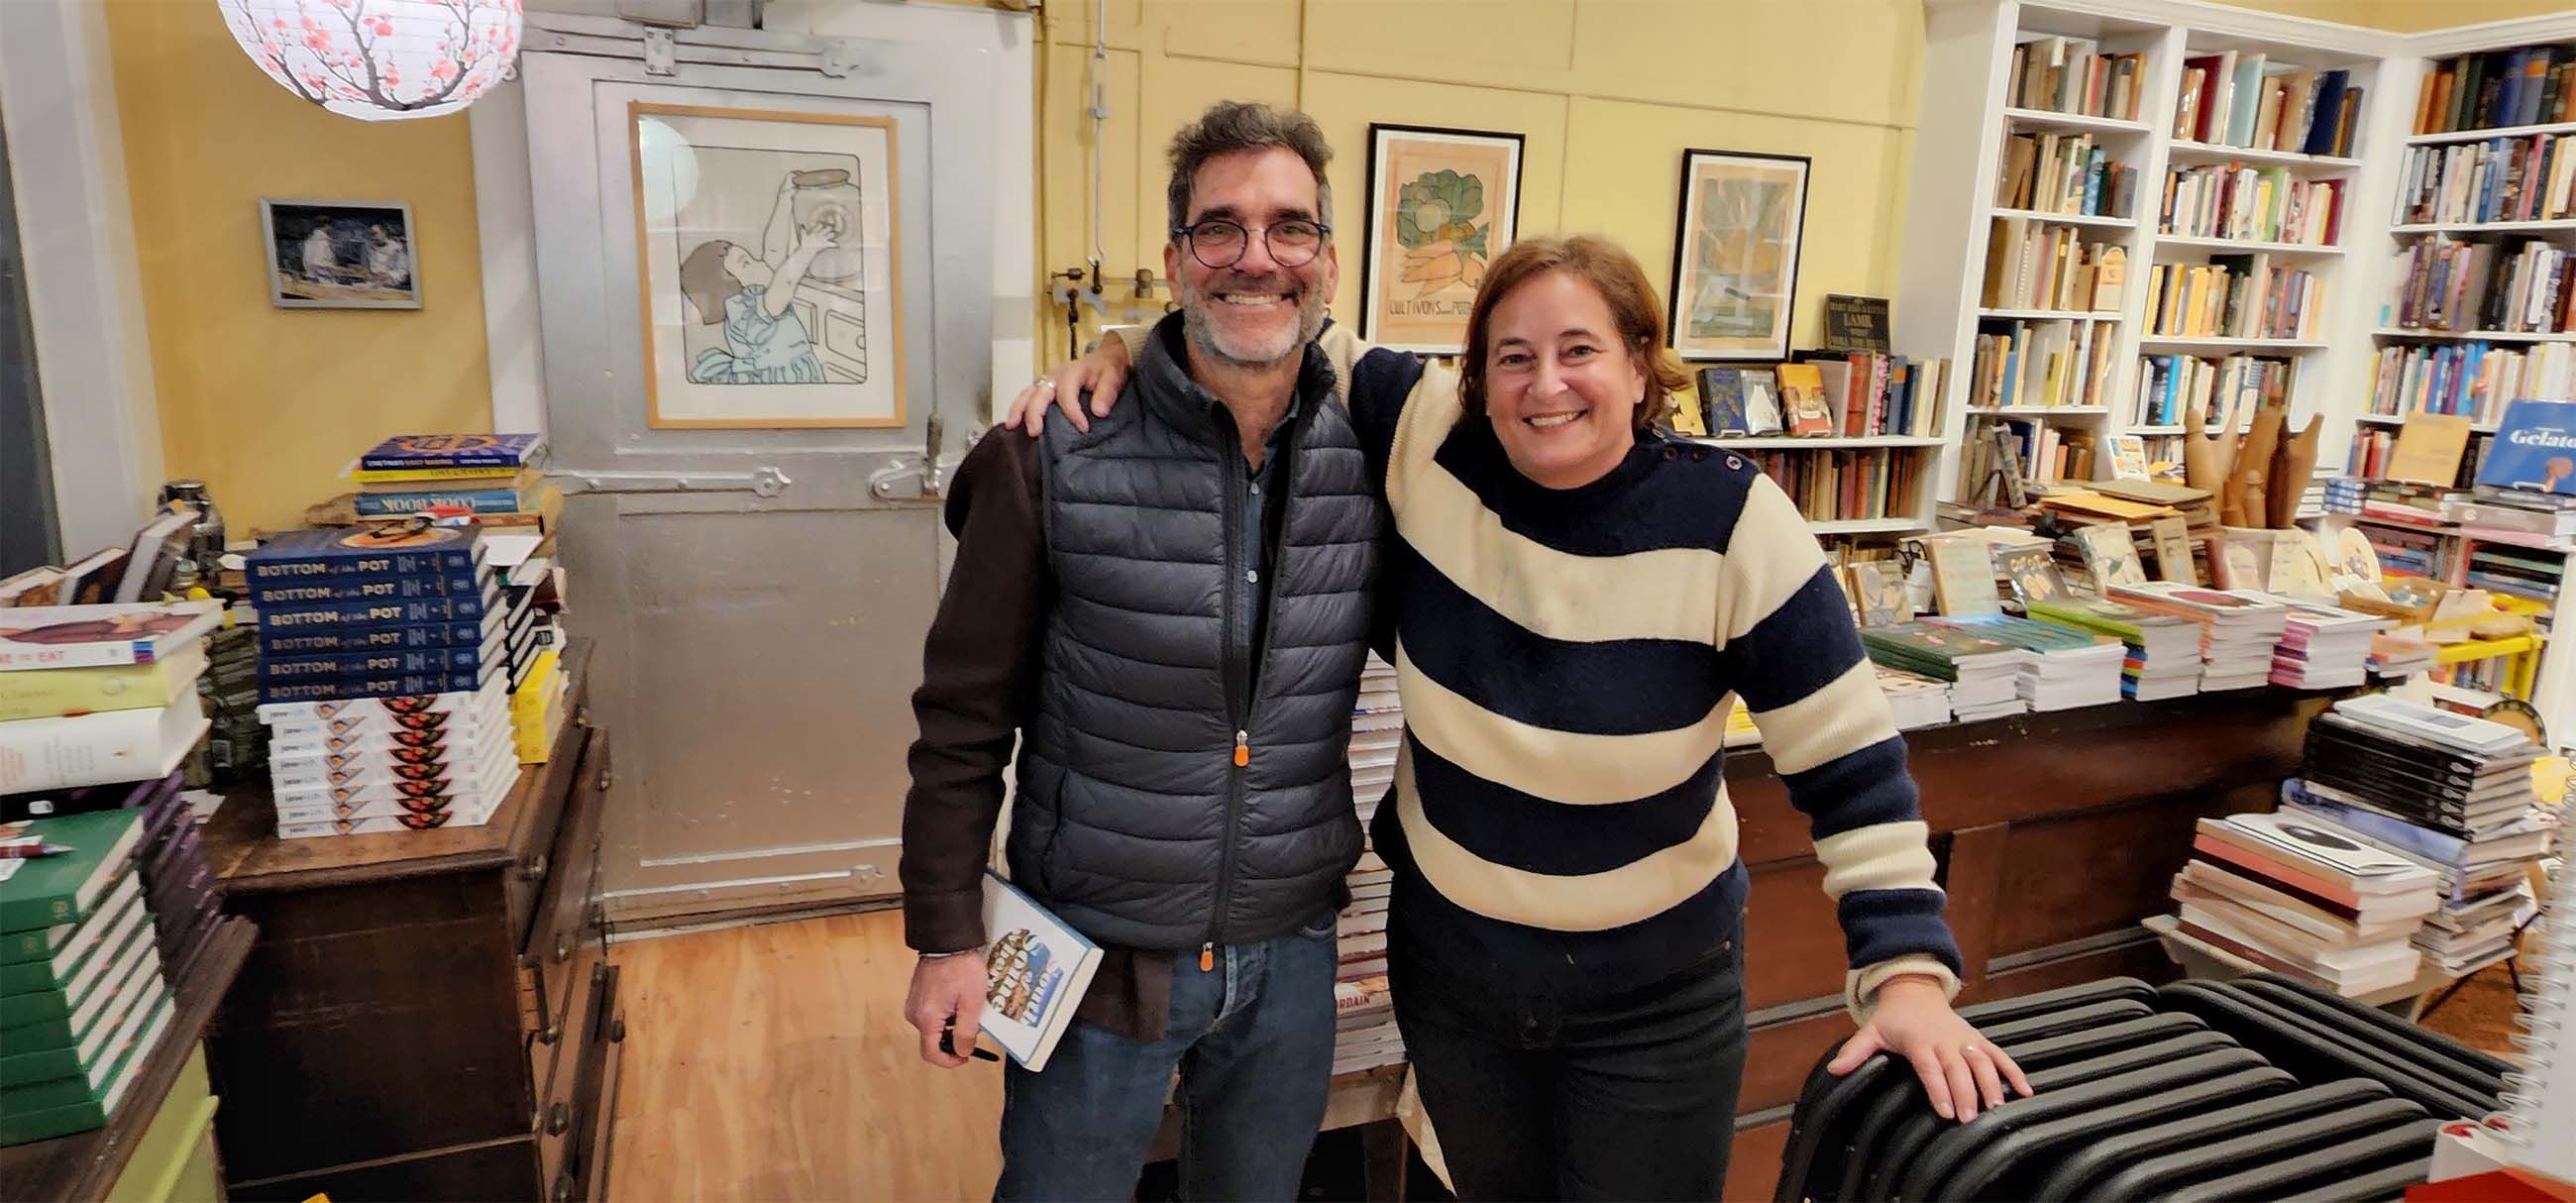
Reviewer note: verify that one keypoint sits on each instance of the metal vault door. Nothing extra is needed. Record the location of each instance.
(757, 597)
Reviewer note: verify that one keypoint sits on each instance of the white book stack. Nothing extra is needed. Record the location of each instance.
(376, 765)
(1917, 700)
(2323, 647)
(2238, 631)
(1365, 1033)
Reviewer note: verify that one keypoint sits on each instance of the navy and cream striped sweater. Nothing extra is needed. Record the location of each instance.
(1568, 659)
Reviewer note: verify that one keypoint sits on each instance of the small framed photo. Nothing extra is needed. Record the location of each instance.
(340, 254)
(1442, 204)
(1735, 254)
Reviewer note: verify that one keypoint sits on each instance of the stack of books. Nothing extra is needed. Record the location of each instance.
(1917, 700)
(2401, 654)
(2484, 883)
(236, 745)
(1365, 1033)
(385, 672)
(2066, 668)
(2161, 653)
(99, 695)
(2323, 647)
(495, 479)
(2302, 901)
(2238, 632)
(178, 885)
(83, 996)
(1984, 674)
(155, 563)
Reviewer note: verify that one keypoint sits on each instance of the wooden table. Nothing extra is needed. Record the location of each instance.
(84, 1165)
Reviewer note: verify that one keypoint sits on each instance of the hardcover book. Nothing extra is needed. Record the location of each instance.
(414, 611)
(374, 552)
(1722, 389)
(43, 637)
(375, 639)
(454, 451)
(2032, 573)
(46, 693)
(469, 659)
(1762, 402)
(338, 590)
(67, 888)
(2533, 450)
(98, 749)
(387, 686)
(1036, 970)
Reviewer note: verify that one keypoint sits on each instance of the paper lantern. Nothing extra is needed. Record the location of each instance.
(380, 60)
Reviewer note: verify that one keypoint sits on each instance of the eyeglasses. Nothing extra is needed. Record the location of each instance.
(1221, 243)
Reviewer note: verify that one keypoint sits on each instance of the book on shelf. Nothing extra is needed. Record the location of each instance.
(2226, 391)
(2251, 204)
(2033, 264)
(2042, 452)
(1868, 395)
(2428, 449)
(2241, 100)
(2064, 174)
(2234, 296)
(2042, 364)
(2448, 286)
(2501, 180)
(2475, 379)
(1846, 484)
(2533, 450)
(2072, 75)
(2526, 85)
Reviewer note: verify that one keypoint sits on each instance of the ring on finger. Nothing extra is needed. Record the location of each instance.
(1044, 382)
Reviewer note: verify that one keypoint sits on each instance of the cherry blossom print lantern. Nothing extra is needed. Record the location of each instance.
(380, 60)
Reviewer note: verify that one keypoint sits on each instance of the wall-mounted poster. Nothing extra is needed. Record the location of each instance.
(1441, 204)
(766, 251)
(340, 254)
(1735, 258)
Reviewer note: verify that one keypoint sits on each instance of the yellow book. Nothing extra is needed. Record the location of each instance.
(408, 480)
(49, 692)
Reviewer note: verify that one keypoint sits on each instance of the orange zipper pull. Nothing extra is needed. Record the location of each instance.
(1242, 749)
(1207, 957)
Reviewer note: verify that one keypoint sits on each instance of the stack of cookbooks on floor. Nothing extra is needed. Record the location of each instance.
(2160, 653)
(1917, 700)
(384, 679)
(2238, 631)
(2066, 668)
(2323, 647)
(1365, 1035)
(1983, 673)
(2295, 898)
(2451, 793)
(83, 996)
(103, 694)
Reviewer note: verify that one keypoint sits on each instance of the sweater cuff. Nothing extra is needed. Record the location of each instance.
(1860, 986)
(950, 921)
(1134, 337)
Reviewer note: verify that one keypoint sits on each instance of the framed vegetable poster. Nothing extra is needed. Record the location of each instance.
(1441, 204)
(1735, 256)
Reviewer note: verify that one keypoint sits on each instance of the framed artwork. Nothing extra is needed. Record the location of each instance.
(766, 251)
(1735, 256)
(1441, 204)
(339, 254)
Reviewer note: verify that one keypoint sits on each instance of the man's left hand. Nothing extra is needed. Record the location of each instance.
(1960, 1068)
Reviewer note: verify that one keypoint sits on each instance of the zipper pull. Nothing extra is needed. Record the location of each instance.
(1242, 749)
(1207, 957)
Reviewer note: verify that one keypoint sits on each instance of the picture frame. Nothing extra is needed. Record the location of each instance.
(1442, 203)
(1736, 238)
(340, 254)
(730, 202)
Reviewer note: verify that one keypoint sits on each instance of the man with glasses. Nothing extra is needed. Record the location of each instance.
(1169, 610)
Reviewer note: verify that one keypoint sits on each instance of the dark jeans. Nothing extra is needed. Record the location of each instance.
(1626, 1097)
(1253, 1041)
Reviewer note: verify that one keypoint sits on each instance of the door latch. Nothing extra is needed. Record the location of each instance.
(766, 480)
(910, 480)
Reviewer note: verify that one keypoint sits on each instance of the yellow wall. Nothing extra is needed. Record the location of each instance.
(1606, 93)
(267, 404)
(2408, 16)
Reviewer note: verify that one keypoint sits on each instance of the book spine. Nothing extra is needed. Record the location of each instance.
(49, 694)
(379, 476)
(32, 944)
(444, 561)
(384, 686)
(345, 589)
(418, 462)
(479, 501)
(86, 749)
(372, 664)
(77, 655)
(331, 615)
(372, 639)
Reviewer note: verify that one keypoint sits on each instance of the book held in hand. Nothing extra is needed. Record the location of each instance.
(1036, 969)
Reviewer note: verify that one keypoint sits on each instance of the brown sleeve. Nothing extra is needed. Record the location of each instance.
(979, 671)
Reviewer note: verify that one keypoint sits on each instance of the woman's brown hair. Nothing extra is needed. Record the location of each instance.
(1612, 272)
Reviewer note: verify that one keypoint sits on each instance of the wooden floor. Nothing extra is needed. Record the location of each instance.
(773, 1062)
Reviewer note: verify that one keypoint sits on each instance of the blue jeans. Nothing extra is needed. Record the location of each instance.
(1253, 1041)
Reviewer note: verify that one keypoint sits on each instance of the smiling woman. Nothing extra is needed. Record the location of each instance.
(1565, 340)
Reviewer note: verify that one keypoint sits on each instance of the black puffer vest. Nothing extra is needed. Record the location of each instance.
(1133, 820)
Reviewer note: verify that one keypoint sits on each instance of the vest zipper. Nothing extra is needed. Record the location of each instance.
(1237, 683)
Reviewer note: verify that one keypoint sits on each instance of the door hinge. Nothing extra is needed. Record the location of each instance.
(765, 480)
(659, 56)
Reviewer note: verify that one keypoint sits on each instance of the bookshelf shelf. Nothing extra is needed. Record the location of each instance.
(2043, 315)
(2482, 135)
(2400, 420)
(2229, 344)
(2043, 119)
(2039, 411)
(1793, 443)
(1863, 526)
(2201, 152)
(2070, 219)
(2492, 336)
(2561, 226)
(2243, 246)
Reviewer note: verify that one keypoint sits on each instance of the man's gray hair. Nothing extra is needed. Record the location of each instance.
(1233, 125)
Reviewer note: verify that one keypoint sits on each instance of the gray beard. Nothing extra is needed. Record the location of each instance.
(1202, 333)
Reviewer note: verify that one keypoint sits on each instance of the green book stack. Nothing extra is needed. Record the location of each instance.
(82, 998)
(1942, 653)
